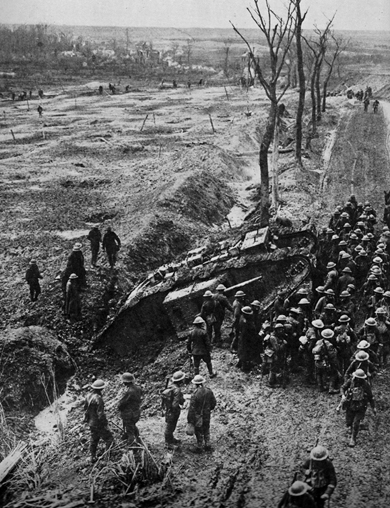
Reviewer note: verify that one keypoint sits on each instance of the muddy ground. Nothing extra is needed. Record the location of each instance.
(165, 185)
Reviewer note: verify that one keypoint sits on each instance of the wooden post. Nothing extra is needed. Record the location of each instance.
(212, 125)
(13, 135)
(28, 105)
(146, 117)
(226, 92)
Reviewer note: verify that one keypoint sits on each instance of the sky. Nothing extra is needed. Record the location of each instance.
(351, 14)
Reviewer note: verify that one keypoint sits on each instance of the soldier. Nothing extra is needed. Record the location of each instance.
(329, 316)
(329, 297)
(111, 244)
(198, 345)
(72, 299)
(325, 355)
(221, 304)
(129, 407)
(370, 333)
(246, 340)
(344, 338)
(383, 325)
(279, 307)
(275, 350)
(293, 330)
(76, 264)
(356, 394)
(32, 278)
(319, 473)
(40, 110)
(238, 304)
(96, 419)
(307, 343)
(297, 496)
(207, 312)
(173, 401)
(345, 279)
(331, 277)
(361, 361)
(95, 237)
(199, 413)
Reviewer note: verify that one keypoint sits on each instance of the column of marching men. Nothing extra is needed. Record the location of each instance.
(316, 333)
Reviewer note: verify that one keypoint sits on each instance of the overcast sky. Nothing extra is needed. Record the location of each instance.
(351, 14)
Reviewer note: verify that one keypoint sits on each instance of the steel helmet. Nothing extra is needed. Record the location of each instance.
(362, 356)
(335, 237)
(221, 287)
(320, 289)
(198, 380)
(344, 318)
(73, 276)
(344, 294)
(343, 243)
(347, 225)
(330, 265)
(379, 290)
(346, 270)
(239, 294)
(329, 292)
(208, 294)
(304, 301)
(365, 238)
(345, 215)
(345, 255)
(128, 378)
(359, 373)
(99, 384)
(362, 252)
(377, 260)
(337, 212)
(256, 303)
(380, 310)
(372, 277)
(386, 294)
(278, 326)
(298, 489)
(370, 321)
(352, 236)
(198, 321)
(247, 310)
(363, 344)
(352, 287)
(178, 376)
(318, 323)
(319, 453)
(327, 333)
(302, 291)
(294, 310)
(281, 318)
(330, 306)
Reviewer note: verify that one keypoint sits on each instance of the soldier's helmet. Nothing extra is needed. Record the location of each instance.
(319, 453)
(380, 310)
(327, 333)
(198, 380)
(239, 294)
(127, 377)
(304, 301)
(320, 289)
(344, 318)
(329, 306)
(370, 321)
(298, 488)
(360, 374)
(256, 303)
(178, 376)
(278, 326)
(99, 384)
(318, 323)
(247, 310)
(344, 294)
(208, 294)
(330, 265)
(198, 321)
(73, 276)
(281, 318)
(221, 287)
(362, 356)
(77, 246)
(363, 344)
(302, 291)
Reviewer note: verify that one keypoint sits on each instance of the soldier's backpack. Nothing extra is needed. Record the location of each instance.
(357, 394)
(167, 399)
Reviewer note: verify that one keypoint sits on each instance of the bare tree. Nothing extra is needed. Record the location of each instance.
(317, 48)
(188, 50)
(301, 80)
(339, 46)
(279, 35)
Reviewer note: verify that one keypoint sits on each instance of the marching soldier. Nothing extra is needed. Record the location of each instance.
(202, 402)
(173, 401)
(130, 407)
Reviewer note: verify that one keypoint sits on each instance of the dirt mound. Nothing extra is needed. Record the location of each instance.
(35, 366)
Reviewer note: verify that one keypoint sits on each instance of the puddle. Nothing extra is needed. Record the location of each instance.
(54, 417)
(71, 234)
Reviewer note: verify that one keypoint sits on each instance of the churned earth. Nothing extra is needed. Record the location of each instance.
(167, 183)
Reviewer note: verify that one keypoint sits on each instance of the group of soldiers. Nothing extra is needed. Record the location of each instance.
(73, 277)
(201, 404)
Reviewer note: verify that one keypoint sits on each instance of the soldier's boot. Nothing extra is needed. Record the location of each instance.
(207, 444)
(272, 379)
(199, 445)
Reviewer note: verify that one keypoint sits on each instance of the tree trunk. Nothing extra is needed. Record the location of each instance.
(263, 162)
(275, 160)
(318, 93)
(313, 102)
(302, 86)
(324, 92)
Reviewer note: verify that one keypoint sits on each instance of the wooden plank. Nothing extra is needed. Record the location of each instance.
(7, 465)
